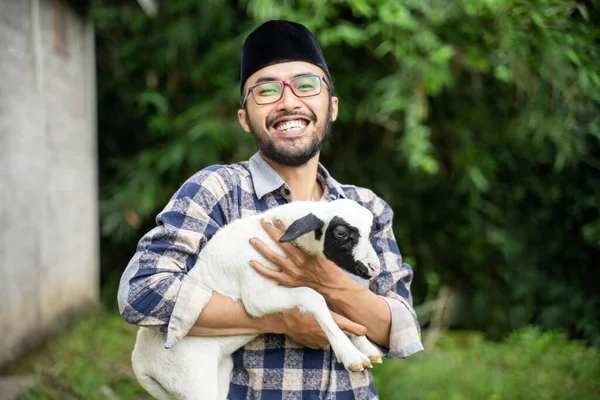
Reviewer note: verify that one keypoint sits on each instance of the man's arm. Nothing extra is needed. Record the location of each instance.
(392, 321)
(385, 310)
(224, 316)
(155, 289)
(360, 305)
(300, 269)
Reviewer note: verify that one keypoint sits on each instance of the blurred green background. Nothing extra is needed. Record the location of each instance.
(477, 120)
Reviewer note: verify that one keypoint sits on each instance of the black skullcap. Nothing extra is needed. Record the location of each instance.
(279, 41)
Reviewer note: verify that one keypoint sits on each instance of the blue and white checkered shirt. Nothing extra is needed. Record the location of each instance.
(156, 290)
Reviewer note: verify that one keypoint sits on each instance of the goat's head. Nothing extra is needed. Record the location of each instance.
(343, 233)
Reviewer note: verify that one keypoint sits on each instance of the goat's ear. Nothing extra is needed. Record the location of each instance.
(302, 226)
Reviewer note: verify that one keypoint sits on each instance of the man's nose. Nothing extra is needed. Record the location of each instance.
(289, 101)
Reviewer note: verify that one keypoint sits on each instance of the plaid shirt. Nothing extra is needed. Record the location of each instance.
(156, 290)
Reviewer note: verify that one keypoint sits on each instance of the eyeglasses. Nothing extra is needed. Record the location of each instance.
(272, 91)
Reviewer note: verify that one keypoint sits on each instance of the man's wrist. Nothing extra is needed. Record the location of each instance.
(337, 286)
(330, 279)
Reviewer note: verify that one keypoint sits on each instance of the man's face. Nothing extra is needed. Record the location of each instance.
(291, 130)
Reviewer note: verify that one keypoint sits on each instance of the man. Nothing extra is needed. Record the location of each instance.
(288, 105)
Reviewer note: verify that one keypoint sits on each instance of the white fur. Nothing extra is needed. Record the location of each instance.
(200, 367)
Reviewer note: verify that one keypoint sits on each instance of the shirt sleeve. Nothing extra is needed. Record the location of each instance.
(156, 290)
(393, 285)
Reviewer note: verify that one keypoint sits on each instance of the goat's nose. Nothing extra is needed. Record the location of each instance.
(374, 268)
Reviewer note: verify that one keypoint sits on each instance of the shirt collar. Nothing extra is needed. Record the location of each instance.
(266, 180)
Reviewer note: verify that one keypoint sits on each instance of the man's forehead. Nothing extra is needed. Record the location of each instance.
(284, 71)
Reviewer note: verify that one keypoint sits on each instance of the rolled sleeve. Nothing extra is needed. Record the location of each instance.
(393, 285)
(184, 307)
(405, 333)
(191, 300)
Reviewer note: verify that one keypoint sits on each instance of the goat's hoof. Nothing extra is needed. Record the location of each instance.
(376, 360)
(357, 368)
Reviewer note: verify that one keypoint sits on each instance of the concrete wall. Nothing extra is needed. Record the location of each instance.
(49, 260)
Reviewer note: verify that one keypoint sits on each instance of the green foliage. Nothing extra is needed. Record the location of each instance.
(530, 364)
(92, 361)
(478, 121)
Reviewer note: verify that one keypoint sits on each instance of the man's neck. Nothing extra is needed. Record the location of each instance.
(302, 180)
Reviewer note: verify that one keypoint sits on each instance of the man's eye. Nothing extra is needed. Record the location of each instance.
(267, 89)
(267, 92)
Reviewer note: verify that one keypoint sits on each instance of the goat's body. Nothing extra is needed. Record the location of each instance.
(218, 266)
(197, 368)
(200, 367)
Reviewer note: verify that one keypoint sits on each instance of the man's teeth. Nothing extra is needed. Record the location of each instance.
(294, 125)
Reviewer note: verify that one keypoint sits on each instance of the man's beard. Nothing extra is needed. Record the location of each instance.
(292, 156)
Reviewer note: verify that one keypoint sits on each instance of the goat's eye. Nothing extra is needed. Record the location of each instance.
(340, 233)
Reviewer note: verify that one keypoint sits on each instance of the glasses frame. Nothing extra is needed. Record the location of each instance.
(284, 84)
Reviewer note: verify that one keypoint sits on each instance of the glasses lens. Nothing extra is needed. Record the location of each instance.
(267, 92)
(306, 86)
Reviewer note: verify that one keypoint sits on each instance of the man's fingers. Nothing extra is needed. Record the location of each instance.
(279, 225)
(266, 251)
(271, 230)
(275, 234)
(267, 273)
(349, 326)
(354, 328)
(321, 342)
(276, 229)
(311, 341)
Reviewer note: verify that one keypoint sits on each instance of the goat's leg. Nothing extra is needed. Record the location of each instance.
(365, 346)
(208, 390)
(278, 299)
(224, 376)
(186, 371)
(148, 354)
(153, 387)
(199, 379)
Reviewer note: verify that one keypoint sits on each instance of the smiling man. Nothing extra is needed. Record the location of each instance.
(288, 105)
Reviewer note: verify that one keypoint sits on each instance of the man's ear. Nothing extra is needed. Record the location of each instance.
(334, 108)
(242, 113)
(302, 226)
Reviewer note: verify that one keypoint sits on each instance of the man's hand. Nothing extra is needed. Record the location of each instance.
(304, 329)
(299, 268)
(324, 276)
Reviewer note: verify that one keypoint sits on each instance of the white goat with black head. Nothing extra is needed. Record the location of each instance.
(200, 367)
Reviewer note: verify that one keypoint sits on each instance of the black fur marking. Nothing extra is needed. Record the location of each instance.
(318, 234)
(340, 239)
(302, 226)
(362, 269)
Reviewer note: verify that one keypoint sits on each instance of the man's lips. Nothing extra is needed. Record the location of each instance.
(291, 125)
(299, 121)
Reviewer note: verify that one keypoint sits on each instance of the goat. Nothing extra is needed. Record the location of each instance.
(200, 367)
